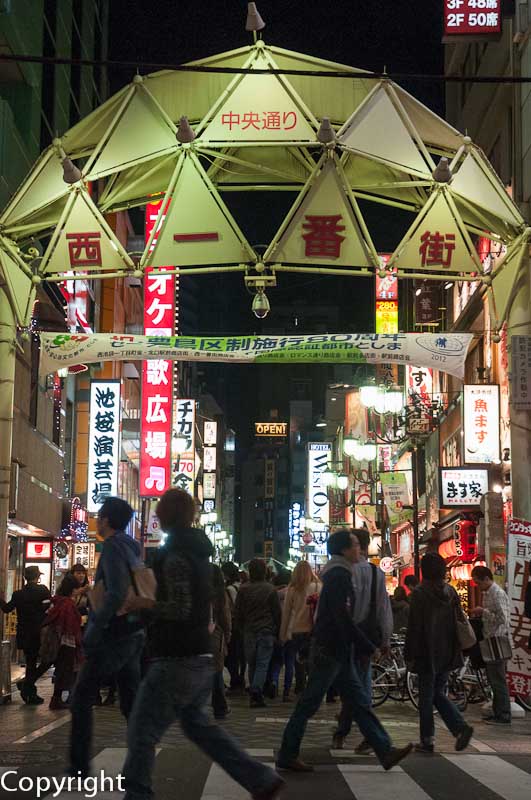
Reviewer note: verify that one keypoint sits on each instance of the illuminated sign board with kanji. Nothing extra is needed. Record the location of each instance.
(157, 376)
(472, 17)
(318, 502)
(104, 442)
(462, 487)
(419, 383)
(518, 576)
(386, 316)
(183, 463)
(482, 424)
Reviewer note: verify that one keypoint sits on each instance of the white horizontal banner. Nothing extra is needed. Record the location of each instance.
(443, 351)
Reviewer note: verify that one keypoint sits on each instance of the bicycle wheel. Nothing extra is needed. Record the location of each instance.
(412, 683)
(380, 685)
(457, 692)
(524, 700)
(484, 685)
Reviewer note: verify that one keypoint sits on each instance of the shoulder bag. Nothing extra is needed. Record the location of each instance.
(496, 648)
(465, 632)
(371, 626)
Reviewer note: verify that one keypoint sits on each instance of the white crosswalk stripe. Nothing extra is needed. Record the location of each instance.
(370, 782)
(505, 779)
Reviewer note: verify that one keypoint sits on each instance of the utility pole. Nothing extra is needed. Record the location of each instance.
(415, 487)
(7, 386)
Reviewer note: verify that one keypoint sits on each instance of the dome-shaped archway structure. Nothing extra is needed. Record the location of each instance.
(264, 128)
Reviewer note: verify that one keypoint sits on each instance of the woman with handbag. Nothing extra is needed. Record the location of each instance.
(297, 625)
(433, 650)
(496, 646)
(61, 641)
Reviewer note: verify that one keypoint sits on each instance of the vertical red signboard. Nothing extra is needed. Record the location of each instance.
(157, 378)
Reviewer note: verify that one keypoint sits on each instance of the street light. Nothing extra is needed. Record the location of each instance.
(358, 450)
(329, 478)
(342, 481)
(368, 395)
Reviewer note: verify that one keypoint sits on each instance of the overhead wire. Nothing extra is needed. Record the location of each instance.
(369, 75)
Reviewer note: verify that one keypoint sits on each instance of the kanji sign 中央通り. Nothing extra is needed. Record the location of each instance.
(518, 575)
(436, 249)
(472, 17)
(157, 375)
(264, 121)
(462, 487)
(183, 463)
(104, 442)
(482, 424)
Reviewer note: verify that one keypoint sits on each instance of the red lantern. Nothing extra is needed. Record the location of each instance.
(465, 537)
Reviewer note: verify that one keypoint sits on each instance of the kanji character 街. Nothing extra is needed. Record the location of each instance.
(437, 249)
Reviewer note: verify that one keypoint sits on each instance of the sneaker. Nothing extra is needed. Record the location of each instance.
(295, 765)
(462, 740)
(497, 721)
(363, 748)
(428, 749)
(272, 792)
(395, 755)
(337, 741)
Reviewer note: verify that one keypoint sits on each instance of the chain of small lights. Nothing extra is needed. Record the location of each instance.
(77, 529)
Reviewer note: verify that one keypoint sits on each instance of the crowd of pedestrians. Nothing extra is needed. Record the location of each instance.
(166, 648)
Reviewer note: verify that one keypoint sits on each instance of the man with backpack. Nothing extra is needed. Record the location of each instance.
(113, 642)
(374, 615)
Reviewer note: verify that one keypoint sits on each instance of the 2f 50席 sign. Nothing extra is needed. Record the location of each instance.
(472, 17)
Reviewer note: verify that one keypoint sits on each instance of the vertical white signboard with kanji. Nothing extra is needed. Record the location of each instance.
(518, 573)
(104, 442)
(183, 470)
(482, 424)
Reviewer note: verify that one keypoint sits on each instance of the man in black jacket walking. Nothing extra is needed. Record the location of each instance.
(31, 604)
(336, 640)
(178, 684)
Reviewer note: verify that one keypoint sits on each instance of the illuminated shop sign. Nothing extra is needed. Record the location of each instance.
(104, 442)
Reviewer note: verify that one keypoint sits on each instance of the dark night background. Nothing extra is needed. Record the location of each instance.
(403, 36)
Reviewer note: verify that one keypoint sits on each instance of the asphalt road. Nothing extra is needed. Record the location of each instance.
(33, 743)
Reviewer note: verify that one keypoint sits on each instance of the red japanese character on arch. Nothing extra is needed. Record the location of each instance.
(84, 249)
(437, 249)
(323, 239)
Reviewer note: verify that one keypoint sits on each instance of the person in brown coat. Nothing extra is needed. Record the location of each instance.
(221, 632)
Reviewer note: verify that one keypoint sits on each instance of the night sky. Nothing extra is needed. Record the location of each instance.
(403, 36)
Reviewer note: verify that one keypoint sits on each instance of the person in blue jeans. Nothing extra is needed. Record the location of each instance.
(336, 638)
(113, 644)
(178, 683)
(432, 651)
(257, 615)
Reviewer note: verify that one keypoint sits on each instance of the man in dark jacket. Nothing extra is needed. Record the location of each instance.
(31, 604)
(257, 615)
(432, 651)
(113, 643)
(178, 684)
(336, 639)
